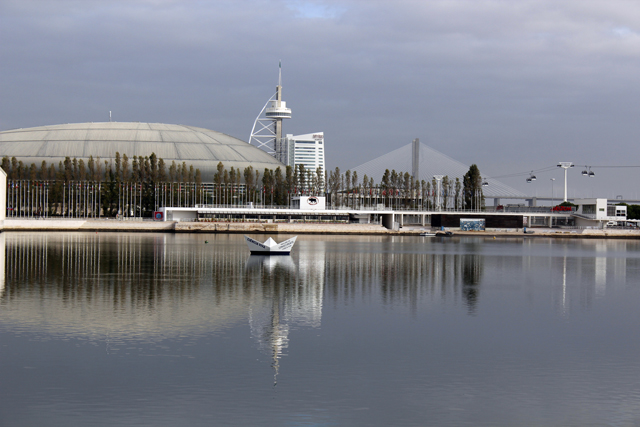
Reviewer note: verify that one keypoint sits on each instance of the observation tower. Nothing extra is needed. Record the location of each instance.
(266, 133)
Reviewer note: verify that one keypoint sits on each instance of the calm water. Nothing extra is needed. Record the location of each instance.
(167, 330)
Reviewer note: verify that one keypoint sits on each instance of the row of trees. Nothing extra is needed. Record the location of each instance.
(401, 190)
(122, 169)
(139, 185)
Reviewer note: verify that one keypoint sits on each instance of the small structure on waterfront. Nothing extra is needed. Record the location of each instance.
(596, 212)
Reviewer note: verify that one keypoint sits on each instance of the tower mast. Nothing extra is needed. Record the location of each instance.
(267, 128)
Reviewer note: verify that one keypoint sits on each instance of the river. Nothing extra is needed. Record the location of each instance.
(152, 329)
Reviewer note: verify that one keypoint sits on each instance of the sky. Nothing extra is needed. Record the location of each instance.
(512, 86)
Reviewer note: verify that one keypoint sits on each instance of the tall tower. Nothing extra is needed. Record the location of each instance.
(266, 133)
(415, 159)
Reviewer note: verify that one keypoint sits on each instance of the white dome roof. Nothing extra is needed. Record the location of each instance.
(202, 148)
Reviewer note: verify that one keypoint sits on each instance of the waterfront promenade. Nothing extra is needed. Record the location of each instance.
(112, 225)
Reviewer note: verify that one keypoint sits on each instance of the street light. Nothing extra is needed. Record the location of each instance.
(552, 198)
(565, 166)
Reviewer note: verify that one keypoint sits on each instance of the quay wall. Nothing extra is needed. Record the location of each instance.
(112, 225)
(187, 227)
(84, 225)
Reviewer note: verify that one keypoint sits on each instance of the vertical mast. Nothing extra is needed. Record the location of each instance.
(266, 133)
(278, 122)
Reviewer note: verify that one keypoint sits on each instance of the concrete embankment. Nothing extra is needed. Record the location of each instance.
(84, 225)
(186, 227)
(238, 227)
(112, 225)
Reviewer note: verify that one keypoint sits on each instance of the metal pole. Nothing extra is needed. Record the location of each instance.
(565, 166)
(565, 184)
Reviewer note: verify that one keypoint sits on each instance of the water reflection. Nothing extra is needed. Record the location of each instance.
(378, 324)
(408, 278)
(291, 299)
(471, 277)
(125, 287)
(160, 285)
(2, 262)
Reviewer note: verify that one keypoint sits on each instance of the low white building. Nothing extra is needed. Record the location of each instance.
(592, 212)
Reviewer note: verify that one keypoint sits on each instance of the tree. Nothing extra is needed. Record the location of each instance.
(280, 190)
(320, 181)
(162, 171)
(302, 177)
(6, 165)
(472, 189)
(633, 211)
(289, 180)
(447, 186)
(125, 168)
(43, 170)
(458, 190)
(333, 185)
(118, 167)
(33, 172)
(249, 183)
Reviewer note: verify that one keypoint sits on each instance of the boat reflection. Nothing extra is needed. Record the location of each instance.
(267, 263)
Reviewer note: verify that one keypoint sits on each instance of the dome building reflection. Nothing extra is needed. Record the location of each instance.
(159, 286)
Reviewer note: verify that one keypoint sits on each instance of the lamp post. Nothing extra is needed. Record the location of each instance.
(552, 198)
(565, 166)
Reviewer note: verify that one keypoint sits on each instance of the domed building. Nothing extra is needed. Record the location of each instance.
(202, 148)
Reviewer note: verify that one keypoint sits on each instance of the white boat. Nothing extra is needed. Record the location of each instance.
(270, 247)
(427, 234)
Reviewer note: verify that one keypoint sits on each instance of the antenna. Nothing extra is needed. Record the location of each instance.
(280, 73)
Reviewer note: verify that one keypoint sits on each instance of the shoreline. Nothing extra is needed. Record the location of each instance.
(113, 225)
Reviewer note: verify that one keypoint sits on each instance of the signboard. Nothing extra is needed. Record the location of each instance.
(310, 202)
(468, 224)
(158, 215)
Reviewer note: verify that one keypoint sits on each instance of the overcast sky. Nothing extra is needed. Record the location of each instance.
(512, 86)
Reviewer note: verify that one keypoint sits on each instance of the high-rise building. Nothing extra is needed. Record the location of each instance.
(306, 150)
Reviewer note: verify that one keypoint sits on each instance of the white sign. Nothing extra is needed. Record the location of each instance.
(312, 202)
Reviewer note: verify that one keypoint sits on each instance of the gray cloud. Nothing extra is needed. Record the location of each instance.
(511, 86)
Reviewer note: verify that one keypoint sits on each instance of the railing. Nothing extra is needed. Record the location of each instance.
(489, 209)
(585, 216)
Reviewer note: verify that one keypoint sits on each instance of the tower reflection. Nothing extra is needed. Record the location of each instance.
(292, 296)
